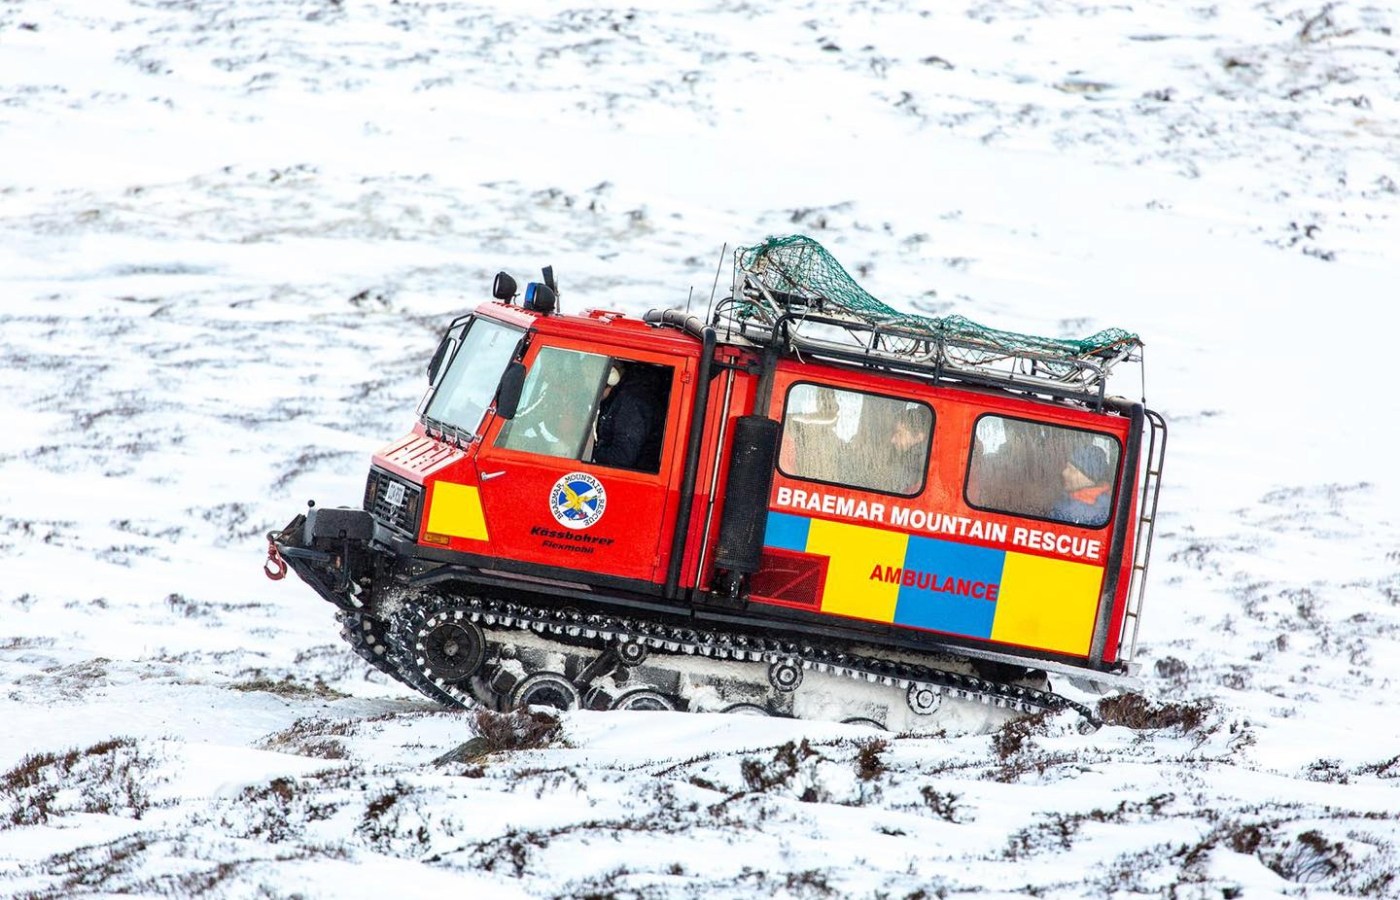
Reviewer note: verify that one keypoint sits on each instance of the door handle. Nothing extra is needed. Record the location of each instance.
(487, 476)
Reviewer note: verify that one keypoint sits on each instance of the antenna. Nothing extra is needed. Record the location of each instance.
(709, 310)
(688, 296)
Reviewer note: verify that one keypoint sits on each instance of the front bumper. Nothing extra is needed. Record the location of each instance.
(331, 549)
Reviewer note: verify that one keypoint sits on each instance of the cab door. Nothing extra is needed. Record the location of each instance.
(546, 498)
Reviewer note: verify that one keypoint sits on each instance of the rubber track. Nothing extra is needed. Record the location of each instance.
(367, 636)
(599, 631)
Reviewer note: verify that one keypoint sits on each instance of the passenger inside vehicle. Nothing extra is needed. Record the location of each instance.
(632, 417)
(909, 440)
(1088, 483)
(1027, 468)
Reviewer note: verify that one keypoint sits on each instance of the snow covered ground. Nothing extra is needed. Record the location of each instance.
(230, 233)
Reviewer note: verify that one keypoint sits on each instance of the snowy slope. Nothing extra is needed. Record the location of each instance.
(230, 234)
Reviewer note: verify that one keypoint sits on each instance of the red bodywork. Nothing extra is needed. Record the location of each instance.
(834, 555)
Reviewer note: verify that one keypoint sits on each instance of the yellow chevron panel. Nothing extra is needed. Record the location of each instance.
(854, 551)
(1049, 604)
(455, 510)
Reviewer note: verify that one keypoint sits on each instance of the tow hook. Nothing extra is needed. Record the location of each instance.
(275, 567)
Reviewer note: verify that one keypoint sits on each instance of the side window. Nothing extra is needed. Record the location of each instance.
(557, 404)
(591, 407)
(855, 439)
(1042, 471)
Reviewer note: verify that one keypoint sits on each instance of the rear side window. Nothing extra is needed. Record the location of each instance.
(855, 439)
(1043, 471)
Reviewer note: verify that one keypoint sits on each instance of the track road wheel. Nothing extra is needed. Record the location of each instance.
(630, 653)
(785, 675)
(450, 648)
(924, 699)
(404, 628)
(545, 689)
(644, 700)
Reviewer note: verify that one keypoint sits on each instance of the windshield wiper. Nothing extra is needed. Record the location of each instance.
(446, 430)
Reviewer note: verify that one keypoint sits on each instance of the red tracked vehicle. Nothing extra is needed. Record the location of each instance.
(809, 505)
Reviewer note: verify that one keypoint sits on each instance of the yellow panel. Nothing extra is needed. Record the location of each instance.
(455, 509)
(1048, 604)
(854, 551)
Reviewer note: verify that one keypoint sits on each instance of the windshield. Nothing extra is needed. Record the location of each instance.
(469, 385)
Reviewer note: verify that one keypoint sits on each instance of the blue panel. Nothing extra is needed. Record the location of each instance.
(787, 532)
(949, 587)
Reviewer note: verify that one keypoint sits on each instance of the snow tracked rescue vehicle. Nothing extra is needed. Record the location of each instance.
(809, 505)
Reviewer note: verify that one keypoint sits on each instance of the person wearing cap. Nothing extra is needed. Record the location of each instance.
(1088, 488)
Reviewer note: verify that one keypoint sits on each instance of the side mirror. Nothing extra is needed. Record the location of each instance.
(508, 394)
(503, 288)
(435, 363)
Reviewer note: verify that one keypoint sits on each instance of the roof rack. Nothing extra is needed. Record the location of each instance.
(790, 293)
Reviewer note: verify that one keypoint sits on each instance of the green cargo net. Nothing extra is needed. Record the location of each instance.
(795, 275)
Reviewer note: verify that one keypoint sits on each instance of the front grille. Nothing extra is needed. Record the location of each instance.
(382, 489)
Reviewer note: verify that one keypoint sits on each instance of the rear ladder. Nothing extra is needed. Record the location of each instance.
(1142, 546)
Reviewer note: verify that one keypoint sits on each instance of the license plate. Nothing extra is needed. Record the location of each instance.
(393, 494)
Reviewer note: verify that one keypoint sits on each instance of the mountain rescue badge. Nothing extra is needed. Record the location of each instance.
(578, 500)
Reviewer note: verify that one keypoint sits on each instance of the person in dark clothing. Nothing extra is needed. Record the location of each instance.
(908, 446)
(1088, 488)
(630, 420)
